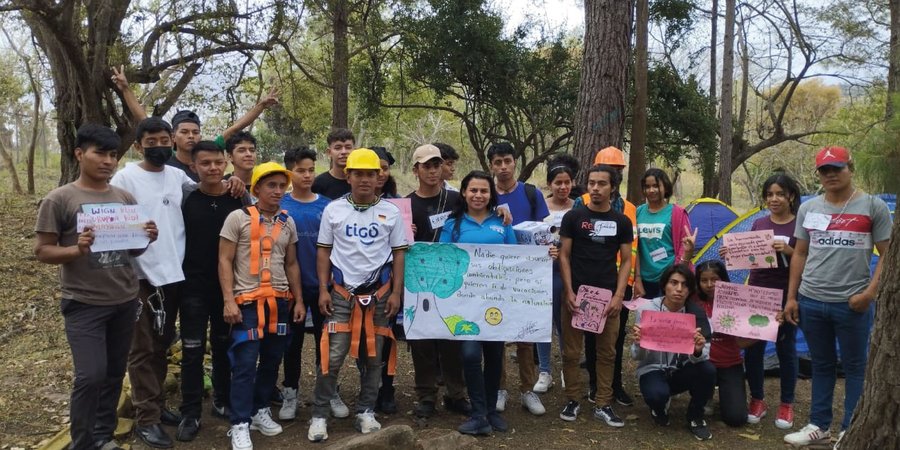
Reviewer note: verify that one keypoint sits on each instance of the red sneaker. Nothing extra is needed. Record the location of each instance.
(785, 418)
(756, 411)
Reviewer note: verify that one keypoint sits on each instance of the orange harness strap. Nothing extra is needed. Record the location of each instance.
(264, 295)
(359, 320)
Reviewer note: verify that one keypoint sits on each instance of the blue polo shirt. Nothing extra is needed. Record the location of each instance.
(521, 208)
(491, 231)
(307, 216)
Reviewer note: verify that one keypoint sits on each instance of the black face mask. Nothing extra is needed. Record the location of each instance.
(157, 156)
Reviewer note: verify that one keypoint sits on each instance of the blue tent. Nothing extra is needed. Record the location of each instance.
(709, 216)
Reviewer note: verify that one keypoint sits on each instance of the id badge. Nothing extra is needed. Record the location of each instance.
(817, 221)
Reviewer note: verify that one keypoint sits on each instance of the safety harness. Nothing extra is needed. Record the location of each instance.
(260, 261)
(362, 317)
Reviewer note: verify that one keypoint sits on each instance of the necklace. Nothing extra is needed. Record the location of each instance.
(847, 202)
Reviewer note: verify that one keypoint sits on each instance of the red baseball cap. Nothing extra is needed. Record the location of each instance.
(832, 156)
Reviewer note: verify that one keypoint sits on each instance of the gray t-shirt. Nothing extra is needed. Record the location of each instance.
(105, 278)
(840, 245)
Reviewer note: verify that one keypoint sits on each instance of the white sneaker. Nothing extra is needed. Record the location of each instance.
(263, 423)
(338, 408)
(366, 423)
(501, 400)
(318, 429)
(807, 435)
(532, 402)
(837, 445)
(240, 437)
(544, 382)
(288, 409)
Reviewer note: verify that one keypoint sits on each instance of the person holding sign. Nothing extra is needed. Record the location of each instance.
(664, 234)
(475, 221)
(591, 239)
(725, 349)
(782, 196)
(662, 374)
(99, 290)
(831, 290)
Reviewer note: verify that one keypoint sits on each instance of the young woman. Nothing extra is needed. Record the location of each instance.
(782, 196)
(560, 179)
(664, 233)
(662, 375)
(725, 350)
(385, 185)
(474, 220)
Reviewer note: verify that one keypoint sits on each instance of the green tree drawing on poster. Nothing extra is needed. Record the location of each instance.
(436, 271)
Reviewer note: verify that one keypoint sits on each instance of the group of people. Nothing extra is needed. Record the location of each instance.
(241, 259)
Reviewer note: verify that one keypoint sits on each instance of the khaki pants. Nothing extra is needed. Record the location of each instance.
(528, 375)
(573, 348)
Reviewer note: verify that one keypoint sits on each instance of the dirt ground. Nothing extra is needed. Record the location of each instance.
(36, 374)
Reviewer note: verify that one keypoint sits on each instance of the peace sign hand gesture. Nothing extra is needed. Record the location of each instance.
(270, 99)
(118, 78)
(688, 242)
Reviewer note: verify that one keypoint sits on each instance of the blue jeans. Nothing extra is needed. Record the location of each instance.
(821, 323)
(544, 348)
(254, 363)
(786, 349)
(482, 384)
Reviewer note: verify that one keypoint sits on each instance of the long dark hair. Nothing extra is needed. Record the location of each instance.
(661, 177)
(462, 206)
(789, 185)
(713, 265)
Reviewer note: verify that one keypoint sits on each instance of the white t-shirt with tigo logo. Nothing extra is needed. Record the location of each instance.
(840, 245)
(361, 242)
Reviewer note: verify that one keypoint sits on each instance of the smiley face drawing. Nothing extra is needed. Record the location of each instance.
(493, 316)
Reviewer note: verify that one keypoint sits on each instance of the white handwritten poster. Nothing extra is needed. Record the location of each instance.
(478, 292)
(116, 226)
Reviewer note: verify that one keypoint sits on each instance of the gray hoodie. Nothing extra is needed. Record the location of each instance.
(650, 360)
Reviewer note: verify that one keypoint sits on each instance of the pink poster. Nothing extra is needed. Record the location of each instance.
(636, 303)
(405, 212)
(750, 250)
(746, 311)
(668, 331)
(592, 303)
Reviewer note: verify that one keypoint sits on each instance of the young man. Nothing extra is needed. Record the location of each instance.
(259, 274)
(158, 189)
(187, 124)
(241, 150)
(614, 157)
(448, 171)
(591, 241)
(431, 205)
(333, 184)
(525, 202)
(305, 208)
(831, 289)
(99, 290)
(361, 252)
(204, 208)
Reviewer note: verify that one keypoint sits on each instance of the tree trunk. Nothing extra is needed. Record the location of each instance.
(727, 105)
(340, 65)
(637, 161)
(35, 125)
(713, 51)
(894, 58)
(600, 110)
(877, 416)
(10, 164)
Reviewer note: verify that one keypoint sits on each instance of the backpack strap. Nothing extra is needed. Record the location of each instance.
(531, 195)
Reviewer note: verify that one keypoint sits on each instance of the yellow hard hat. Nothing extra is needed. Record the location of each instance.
(363, 159)
(611, 156)
(265, 169)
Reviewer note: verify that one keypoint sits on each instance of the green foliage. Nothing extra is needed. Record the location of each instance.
(436, 268)
(676, 16)
(12, 85)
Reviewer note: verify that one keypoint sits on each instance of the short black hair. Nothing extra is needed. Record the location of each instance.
(661, 177)
(104, 138)
(185, 116)
(448, 153)
(384, 155)
(205, 146)
(152, 124)
(237, 138)
(339, 134)
(295, 155)
(684, 270)
(500, 149)
(711, 265)
(615, 178)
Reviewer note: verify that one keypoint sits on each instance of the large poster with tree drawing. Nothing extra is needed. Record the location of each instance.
(478, 292)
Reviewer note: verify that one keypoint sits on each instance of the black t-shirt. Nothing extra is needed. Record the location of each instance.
(424, 208)
(203, 218)
(174, 162)
(334, 188)
(596, 237)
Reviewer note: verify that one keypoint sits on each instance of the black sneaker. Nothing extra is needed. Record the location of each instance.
(661, 418)
(169, 417)
(623, 398)
(570, 412)
(700, 430)
(107, 445)
(606, 414)
(498, 423)
(424, 409)
(188, 429)
(219, 410)
(457, 405)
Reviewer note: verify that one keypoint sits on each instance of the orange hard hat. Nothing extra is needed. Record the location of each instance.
(610, 156)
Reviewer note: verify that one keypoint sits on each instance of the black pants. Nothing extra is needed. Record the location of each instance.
(198, 310)
(732, 395)
(293, 354)
(590, 351)
(658, 386)
(99, 337)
